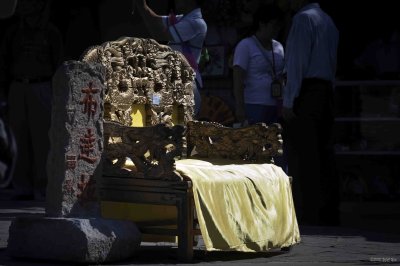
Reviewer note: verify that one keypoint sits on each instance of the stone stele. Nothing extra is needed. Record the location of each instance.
(73, 229)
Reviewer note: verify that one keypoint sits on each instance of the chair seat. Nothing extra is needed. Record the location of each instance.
(227, 199)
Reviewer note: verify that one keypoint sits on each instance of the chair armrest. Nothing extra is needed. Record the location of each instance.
(152, 150)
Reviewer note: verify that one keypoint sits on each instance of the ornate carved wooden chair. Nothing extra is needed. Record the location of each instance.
(148, 125)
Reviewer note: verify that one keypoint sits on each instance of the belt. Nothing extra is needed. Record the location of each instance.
(32, 80)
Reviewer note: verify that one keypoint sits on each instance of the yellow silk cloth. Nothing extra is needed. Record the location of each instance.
(243, 207)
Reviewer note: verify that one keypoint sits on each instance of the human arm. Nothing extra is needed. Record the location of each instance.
(153, 21)
(287, 113)
(238, 92)
(241, 60)
(298, 49)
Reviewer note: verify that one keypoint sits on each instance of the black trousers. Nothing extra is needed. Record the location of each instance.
(309, 145)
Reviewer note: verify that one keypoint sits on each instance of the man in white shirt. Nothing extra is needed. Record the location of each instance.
(311, 57)
(185, 33)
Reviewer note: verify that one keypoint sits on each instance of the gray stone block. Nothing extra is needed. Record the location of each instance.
(74, 163)
(73, 240)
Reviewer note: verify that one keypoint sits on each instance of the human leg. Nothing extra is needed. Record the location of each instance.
(303, 166)
(329, 213)
(39, 122)
(314, 107)
(18, 120)
(304, 141)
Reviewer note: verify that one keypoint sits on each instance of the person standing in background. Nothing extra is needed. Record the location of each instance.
(311, 58)
(31, 51)
(257, 64)
(258, 72)
(185, 33)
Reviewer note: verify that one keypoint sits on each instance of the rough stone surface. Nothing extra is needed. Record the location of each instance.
(73, 240)
(73, 229)
(76, 140)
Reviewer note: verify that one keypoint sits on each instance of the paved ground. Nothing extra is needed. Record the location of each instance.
(319, 246)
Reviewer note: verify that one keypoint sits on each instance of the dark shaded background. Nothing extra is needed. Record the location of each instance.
(84, 23)
(359, 22)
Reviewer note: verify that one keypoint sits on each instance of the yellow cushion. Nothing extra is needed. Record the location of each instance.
(138, 115)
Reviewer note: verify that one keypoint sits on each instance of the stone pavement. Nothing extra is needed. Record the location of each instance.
(319, 246)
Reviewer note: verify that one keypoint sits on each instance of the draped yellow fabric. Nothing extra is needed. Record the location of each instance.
(246, 207)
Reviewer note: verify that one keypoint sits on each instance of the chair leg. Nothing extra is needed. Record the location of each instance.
(185, 223)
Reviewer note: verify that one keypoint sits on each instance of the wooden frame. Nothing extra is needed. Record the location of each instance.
(147, 189)
(158, 192)
(135, 69)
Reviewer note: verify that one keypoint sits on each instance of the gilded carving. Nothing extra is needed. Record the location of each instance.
(152, 150)
(142, 71)
(257, 143)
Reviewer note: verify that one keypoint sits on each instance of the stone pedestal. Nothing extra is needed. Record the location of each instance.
(73, 229)
(92, 240)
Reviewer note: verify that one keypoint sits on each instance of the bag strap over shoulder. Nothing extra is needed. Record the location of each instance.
(257, 42)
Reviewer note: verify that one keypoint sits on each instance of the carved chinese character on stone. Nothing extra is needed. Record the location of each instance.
(70, 161)
(68, 186)
(87, 146)
(89, 103)
(86, 189)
